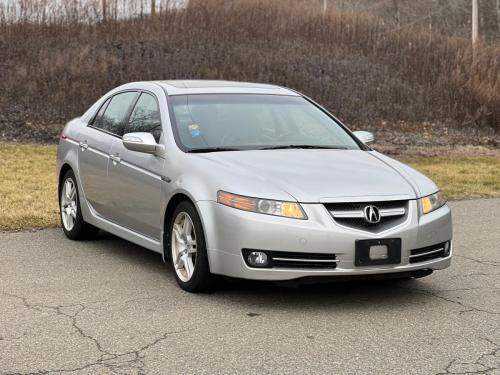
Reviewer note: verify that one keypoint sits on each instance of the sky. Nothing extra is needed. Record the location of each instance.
(55, 8)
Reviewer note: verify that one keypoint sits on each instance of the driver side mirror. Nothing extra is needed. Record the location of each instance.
(365, 137)
(142, 142)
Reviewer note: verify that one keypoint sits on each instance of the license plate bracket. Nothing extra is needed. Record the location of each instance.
(371, 252)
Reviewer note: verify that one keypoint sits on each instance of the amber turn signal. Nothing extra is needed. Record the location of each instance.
(263, 206)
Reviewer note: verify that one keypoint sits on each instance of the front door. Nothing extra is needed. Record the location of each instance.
(135, 177)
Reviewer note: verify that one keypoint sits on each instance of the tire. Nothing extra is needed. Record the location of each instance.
(74, 227)
(187, 249)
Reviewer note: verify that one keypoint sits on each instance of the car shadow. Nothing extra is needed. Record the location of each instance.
(382, 293)
(129, 252)
(252, 295)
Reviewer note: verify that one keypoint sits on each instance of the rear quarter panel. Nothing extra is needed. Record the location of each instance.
(67, 150)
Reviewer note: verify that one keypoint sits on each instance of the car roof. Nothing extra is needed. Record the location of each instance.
(186, 87)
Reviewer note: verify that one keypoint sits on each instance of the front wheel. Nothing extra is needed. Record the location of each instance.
(188, 252)
(74, 226)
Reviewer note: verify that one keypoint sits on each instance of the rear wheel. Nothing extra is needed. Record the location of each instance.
(73, 225)
(188, 251)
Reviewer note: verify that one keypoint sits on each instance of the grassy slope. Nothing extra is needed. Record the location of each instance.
(355, 65)
(462, 177)
(28, 188)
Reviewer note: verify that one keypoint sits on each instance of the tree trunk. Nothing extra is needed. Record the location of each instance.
(397, 16)
(498, 16)
(153, 7)
(104, 10)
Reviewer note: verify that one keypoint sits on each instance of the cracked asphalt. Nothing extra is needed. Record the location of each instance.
(110, 307)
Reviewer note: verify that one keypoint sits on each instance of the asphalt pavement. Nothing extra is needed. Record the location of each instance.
(109, 307)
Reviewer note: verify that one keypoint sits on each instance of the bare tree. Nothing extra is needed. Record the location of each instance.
(104, 10)
(153, 7)
(498, 16)
(397, 14)
(44, 11)
(475, 22)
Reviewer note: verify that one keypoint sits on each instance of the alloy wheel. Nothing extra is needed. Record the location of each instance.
(184, 246)
(68, 204)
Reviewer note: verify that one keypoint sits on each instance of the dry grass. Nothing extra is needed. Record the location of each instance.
(28, 188)
(462, 177)
(28, 193)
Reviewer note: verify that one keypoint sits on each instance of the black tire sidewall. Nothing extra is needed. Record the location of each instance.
(201, 279)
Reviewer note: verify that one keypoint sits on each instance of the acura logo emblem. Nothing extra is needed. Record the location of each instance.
(372, 214)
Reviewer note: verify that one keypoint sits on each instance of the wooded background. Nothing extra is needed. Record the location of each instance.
(369, 62)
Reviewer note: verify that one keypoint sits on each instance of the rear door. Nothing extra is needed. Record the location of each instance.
(135, 177)
(95, 145)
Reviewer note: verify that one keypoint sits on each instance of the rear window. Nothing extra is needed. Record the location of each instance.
(112, 119)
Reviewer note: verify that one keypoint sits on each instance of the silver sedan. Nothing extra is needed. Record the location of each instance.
(246, 180)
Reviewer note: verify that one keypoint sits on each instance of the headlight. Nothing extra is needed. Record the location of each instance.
(262, 206)
(432, 202)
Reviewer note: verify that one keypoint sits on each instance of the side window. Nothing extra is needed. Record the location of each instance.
(145, 117)
(112, 120)
(98, 117)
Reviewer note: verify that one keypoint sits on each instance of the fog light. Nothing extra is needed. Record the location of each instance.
(257, 259)
(447, 248)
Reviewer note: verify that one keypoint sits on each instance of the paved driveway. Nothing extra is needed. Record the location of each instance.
(109, 307)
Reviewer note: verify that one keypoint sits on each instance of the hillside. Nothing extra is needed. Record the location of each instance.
(409, 86)
(449, 17)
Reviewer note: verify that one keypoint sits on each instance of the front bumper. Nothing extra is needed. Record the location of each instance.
(228, 231)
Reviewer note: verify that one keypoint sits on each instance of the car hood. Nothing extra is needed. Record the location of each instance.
(310, 175)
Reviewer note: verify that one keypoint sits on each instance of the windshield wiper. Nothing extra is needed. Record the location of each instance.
(304, 147)
(280, 147)
(213, 149)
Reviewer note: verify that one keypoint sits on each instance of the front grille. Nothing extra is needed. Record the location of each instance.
(428, 253)
(352, 214)
(287, 259)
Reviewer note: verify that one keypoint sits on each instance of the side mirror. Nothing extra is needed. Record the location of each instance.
(365, 137)
(142, 142)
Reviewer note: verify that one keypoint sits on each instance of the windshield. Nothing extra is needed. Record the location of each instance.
(221, 122)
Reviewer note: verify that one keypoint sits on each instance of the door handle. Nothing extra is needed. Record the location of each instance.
(84, 145)
(115, 158)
